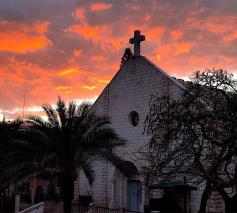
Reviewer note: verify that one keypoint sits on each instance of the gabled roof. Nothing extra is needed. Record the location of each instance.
(174, 80)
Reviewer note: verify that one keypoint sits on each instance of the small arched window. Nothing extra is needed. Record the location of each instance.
(133, 118)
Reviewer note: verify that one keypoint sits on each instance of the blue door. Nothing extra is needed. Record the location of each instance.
(134, 195)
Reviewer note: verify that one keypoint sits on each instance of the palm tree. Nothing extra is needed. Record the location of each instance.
(7, 133)
(70, 140)
(8, 130)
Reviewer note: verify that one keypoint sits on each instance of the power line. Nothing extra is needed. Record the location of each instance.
(24, 101)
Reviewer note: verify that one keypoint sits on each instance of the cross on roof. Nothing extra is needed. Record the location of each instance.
(136, 41)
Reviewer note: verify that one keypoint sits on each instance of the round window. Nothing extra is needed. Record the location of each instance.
(134, 118)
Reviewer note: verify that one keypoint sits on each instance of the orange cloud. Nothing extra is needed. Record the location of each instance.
(63, 87)
(163, 51)
(158, 56)
(217, 25)
(100, 6)
(77, 53)
(102, 81)
(147, 17)
(67, 72)
(176, 35)
(89, 87)
(230, 36)
(97, 34)
(91, 42)
(98, 58)
(172, 50)
(226, 30)
(22, 38)
(182, 48)
(155, 33)
(89, 32)
(79, 14)
(42, 27)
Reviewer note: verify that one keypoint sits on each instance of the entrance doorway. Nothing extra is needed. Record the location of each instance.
(134, 195)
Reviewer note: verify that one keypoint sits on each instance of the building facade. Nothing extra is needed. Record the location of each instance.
(126, 101)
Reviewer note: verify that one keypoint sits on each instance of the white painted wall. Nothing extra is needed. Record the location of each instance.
(38, 208)
(130, 90)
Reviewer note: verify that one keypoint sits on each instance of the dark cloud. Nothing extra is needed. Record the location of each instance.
(55, 11)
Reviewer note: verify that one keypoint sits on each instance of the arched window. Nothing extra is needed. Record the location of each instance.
(133, 118)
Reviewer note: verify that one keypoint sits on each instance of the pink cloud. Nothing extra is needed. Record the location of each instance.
(100, 6)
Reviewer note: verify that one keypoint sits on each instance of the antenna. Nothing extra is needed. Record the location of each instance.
(24, 102)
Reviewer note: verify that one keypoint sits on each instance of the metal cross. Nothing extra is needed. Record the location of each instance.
(136, 41)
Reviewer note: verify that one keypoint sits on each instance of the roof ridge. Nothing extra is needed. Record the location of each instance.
(173, 79)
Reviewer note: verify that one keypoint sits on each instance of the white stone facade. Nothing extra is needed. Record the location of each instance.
(130, 90)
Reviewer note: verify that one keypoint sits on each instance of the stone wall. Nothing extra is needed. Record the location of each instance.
(130, 90)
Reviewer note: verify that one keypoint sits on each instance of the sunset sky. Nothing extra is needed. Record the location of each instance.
(72, 48)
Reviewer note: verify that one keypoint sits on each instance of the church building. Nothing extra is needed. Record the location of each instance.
(126, 101)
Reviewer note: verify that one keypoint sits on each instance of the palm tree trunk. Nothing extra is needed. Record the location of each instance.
(205, 196)
(68, 190)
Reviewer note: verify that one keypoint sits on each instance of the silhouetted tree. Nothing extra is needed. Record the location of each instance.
(126, 56)
(70, 140)
(8, 133)
(195, 135)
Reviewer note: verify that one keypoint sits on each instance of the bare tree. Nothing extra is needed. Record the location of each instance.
(195, 135)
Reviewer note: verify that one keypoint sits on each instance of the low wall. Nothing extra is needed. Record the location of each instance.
(38, 208)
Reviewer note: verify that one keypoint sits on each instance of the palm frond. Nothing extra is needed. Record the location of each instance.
(62, 112)
(51, 115)
(89, 171)
(83, 109)
(34, 119)
(71, 112)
